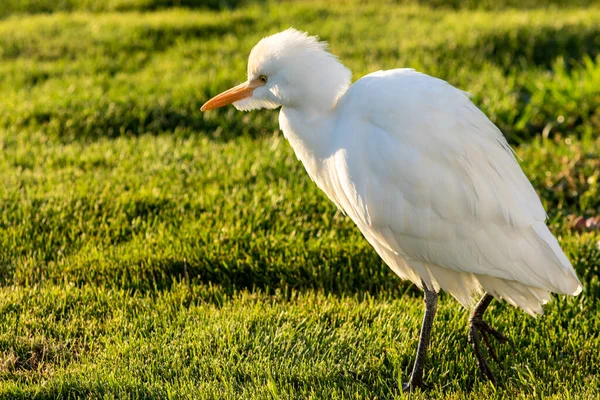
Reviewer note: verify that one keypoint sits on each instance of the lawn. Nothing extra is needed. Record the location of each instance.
(148, 250)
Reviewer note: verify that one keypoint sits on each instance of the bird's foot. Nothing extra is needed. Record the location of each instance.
(413, 384)
(478, 328)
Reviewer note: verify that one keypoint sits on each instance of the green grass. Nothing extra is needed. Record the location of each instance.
(148, 250)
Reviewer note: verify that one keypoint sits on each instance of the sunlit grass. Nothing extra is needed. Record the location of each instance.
(150, 250)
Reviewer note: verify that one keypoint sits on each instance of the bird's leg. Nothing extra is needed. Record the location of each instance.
(478, 329)
(416, 378)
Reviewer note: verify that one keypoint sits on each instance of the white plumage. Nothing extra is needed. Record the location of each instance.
(428, 179)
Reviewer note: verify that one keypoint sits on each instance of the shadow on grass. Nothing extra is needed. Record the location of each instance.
(201, 4)
(342, 273)
(130, 119)
(528, 47)
(522, 48)
(51, 6)
(339, 273)
(331, 275)
(139, 37)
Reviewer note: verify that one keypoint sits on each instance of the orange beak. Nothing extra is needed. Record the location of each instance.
(234, 94)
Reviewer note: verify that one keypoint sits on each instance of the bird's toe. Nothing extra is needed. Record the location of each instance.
(411, 385)
(480, 329)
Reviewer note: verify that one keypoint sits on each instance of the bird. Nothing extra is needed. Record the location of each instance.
(428, 179)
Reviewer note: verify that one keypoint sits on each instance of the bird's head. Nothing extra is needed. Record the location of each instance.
(290, 69)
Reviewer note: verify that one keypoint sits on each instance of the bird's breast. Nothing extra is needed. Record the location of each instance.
(311, 138)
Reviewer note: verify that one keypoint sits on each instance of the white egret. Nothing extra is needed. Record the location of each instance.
(428, 179)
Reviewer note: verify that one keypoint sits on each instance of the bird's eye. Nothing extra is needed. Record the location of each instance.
(263, 79)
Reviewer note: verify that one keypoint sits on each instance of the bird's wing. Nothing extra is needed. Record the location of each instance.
(426, 175)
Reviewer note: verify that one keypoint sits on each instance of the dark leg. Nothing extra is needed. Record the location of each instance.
(478, 329)
(416, 378)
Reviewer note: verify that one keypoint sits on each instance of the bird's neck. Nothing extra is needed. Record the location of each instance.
(311, 134)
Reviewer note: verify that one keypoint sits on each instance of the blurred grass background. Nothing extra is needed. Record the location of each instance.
(148, 250)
